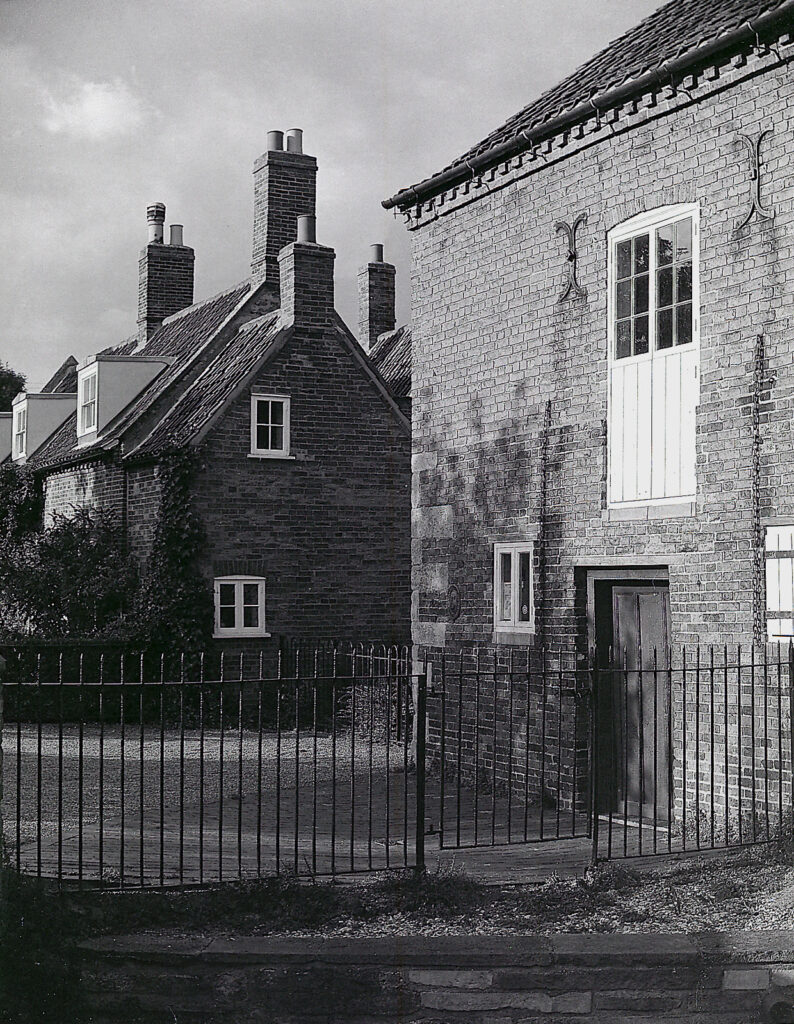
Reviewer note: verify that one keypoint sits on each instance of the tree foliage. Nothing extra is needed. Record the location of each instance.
(20, 502)
(11, 383)
(73, 579)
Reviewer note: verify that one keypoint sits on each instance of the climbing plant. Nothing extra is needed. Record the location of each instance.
(20, 502)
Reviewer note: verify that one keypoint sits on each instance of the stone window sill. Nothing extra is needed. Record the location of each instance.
(642, 513)
(517, 637)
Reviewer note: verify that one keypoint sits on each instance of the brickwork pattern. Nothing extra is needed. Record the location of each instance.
(307, 284)
(481, 382)
(331, 523)
(376, 309)
(285, 188)
(165, 283)
(96, 484)
(531, 980)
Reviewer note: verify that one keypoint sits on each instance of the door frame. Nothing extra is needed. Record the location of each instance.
(637, 573)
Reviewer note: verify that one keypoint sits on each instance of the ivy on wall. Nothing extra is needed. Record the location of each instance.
(176, 602)
(21, 502)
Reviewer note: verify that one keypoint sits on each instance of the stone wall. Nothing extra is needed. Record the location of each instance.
(713, 979)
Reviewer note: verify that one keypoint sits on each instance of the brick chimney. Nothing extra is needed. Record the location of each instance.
(165, 274)
(285, 186)
(375, 298)
(307, 280)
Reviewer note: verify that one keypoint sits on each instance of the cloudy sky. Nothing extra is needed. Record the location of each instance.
(107, 105)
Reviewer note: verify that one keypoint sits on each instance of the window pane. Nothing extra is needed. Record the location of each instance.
(641, 252)
(226, 594)
(624, 259)
(263, 438)
(664, 286)
(623, 340)
(683, 278)
(623, 303)
(641, 294)
(640, 335)
(683, 239)
(276, 412)
(251, 594)
(251, 617)
(263, 412)
(226, 617)
(505, 593)
(277, 438)
(664, 329)
(683, 326)
(524, 578)
(664, 245)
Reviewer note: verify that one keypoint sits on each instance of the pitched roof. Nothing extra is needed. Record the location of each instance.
(181, 337)
(212, 389)
(391, 355)
(64, 380)
(680, 31)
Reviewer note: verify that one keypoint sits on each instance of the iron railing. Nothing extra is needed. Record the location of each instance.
(136, 770)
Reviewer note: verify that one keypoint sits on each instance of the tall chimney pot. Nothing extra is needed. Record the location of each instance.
(307, 228)
(295, 140)
(376, 253)
(275, 142)
(155, 218)
(176, 234)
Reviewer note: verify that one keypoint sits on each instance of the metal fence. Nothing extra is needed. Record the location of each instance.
(131, 770)
(134, 770)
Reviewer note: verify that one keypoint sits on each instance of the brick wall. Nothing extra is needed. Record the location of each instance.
(499, 347)
(376, 310)
(98, 484)
(330, 525)
(716, 979)
(143, 508)
(165, 283)
(285, 186)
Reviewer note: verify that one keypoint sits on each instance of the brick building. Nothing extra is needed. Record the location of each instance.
(602, 364)
(303, 486)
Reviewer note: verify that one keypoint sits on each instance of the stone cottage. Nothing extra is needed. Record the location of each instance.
(303, 481)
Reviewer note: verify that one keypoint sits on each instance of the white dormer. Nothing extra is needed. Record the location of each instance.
(35, 418)
(6, 420)
(106, 385)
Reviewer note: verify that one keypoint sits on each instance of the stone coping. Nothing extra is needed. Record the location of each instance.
(452, 950)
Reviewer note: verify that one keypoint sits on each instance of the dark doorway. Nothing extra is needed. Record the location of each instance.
(632, 631)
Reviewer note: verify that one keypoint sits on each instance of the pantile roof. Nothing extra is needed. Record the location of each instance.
(391, 356)
(673, 31)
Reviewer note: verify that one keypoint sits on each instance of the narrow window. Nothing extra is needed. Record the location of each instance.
(270, 426)
(779, 557)
(88, 403)
(653, 357)
(513, 596)
(20, 430)
(240, 606)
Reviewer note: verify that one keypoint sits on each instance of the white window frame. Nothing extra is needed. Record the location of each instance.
(239, 630)
(650, 221)
(82, 427)
(270, 453)
(20, 431)
(514, 550)
(779, 573)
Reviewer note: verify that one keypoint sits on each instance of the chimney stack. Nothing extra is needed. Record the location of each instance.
(376, 309)
(165, 274)
(307, 279)
(285, 186)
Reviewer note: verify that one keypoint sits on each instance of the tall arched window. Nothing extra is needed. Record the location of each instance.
(654, 323)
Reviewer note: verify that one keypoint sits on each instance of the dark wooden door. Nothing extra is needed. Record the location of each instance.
(639, 699)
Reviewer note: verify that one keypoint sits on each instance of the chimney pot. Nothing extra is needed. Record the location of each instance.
(176, 234)
(295, 140)
(155, 218)
(275, 141)
(307, 228)
(376, 253)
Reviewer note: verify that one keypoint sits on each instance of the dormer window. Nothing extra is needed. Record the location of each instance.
(270, 426)
(88, 403)
(20, 430)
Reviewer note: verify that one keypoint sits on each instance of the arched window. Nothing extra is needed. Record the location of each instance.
(654, 324)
